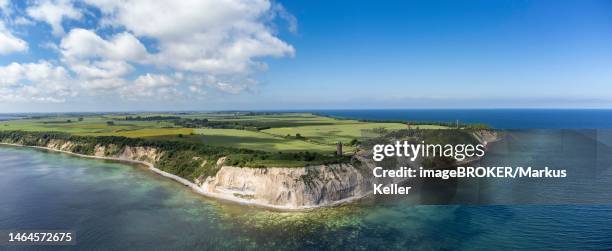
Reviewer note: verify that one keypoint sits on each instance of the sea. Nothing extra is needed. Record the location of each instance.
(4, 117)
(115, 206)
(496, 118)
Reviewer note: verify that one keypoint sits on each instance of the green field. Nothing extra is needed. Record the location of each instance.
(249, 140)
(331, 134)
(92, 125)
(270, 132)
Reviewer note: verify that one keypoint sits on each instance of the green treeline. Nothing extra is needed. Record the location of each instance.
(185, 159)
(151, 118)
(202, 122)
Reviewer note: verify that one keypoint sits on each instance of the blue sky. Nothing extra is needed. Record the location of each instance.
(209, 55)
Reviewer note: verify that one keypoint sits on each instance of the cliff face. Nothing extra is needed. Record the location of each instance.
(139, 153)
(289, 188)
(148, 154)
(304, 187)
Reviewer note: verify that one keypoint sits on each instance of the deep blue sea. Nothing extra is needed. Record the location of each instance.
(497, 118)
(114, 206)
(7, 117)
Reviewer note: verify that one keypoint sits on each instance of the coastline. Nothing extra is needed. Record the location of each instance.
(227, 197)
(194, 187)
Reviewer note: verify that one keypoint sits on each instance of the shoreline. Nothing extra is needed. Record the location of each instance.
(194, 187)
(224, 197)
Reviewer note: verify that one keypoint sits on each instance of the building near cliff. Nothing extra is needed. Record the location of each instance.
(339, 148)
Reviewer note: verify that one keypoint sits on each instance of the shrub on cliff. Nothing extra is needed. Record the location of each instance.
(185, 159)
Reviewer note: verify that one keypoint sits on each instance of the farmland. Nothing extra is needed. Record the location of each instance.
(272, 132)
(344, 132)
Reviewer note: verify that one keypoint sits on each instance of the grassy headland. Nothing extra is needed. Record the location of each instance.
(292, 132)
(245, 138)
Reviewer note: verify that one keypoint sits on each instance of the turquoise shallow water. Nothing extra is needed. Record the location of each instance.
(114, 206)
(119, 206)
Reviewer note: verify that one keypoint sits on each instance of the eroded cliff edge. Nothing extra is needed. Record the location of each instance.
(292, 188)
(289, 188)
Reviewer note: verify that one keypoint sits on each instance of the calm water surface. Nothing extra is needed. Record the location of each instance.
(119, 206)
(498, 118)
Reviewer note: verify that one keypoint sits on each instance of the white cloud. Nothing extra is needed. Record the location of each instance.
(229, 88)
(40, 82)
(207, 44)
(82, 44)
(97, 61)
(4, 6)
(154, 80)
(194, 89)
(9, 43)
(231, 85)
(288, 17)
(103, 84)
(34, 72)
(53, 12)
(156, 86)
(220, 38)
(87, 70)
(23, 21)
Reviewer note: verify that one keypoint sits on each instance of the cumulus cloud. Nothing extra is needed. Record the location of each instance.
(41, 81)
(202, 45)
(98, 61)
(218, 38)
(154, 80)
(152, 86)
(53, 12)
(9, 43)
(82, 44)
(102, 84)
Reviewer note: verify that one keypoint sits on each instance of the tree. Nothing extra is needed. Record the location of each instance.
(110, 123)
